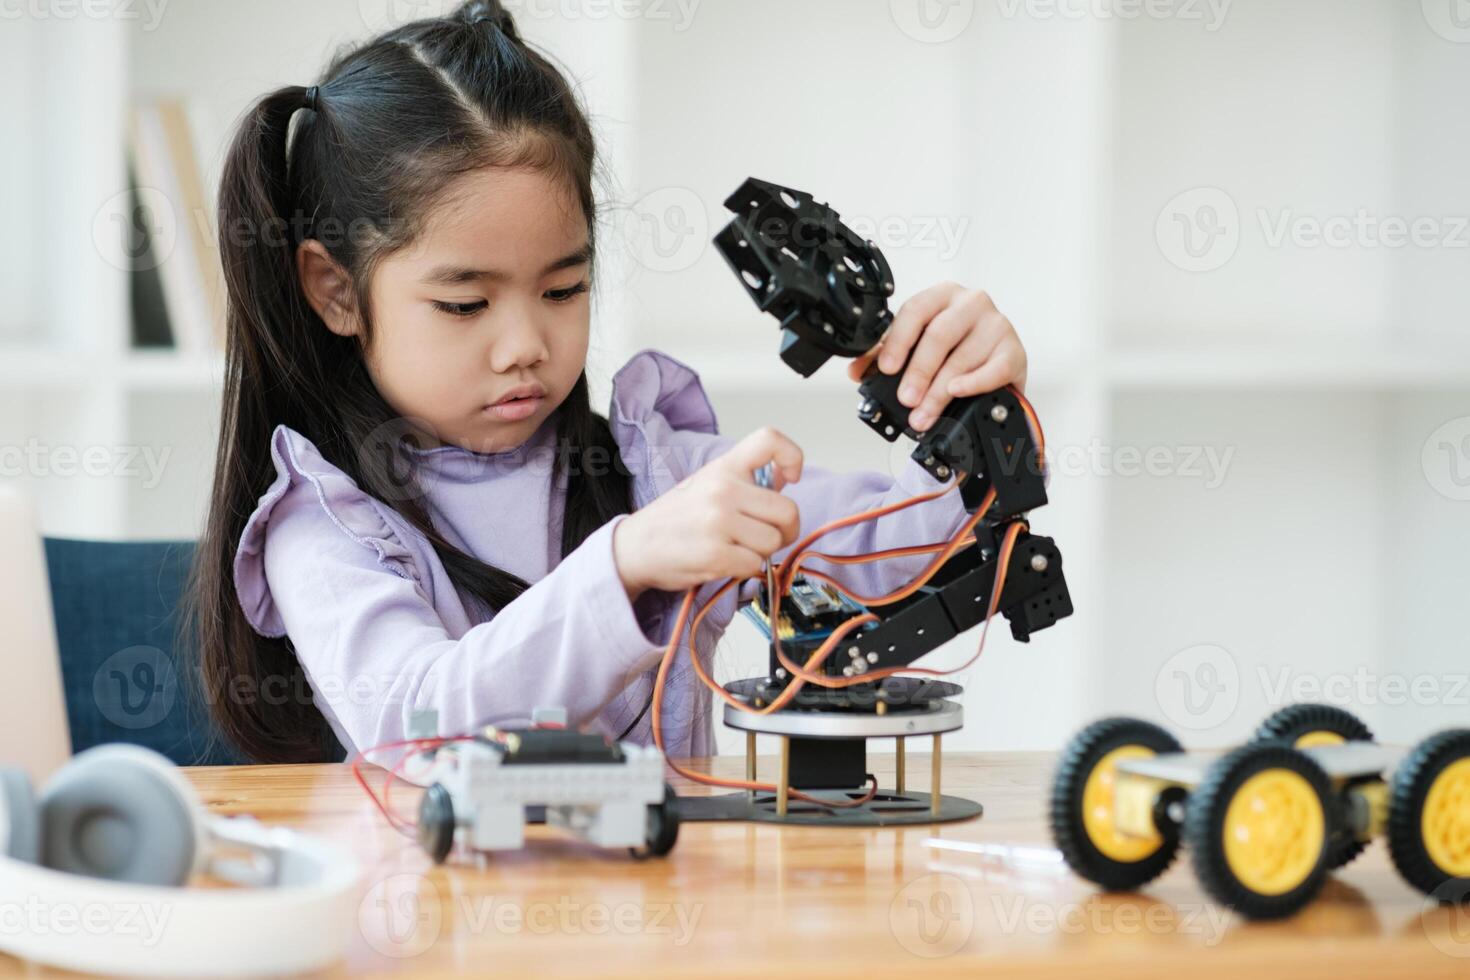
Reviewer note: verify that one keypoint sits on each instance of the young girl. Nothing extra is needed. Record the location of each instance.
(414, 504)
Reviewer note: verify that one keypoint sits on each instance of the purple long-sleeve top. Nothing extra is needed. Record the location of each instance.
(381, 631)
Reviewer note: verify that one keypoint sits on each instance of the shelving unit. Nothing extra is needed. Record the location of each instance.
(1051, 146)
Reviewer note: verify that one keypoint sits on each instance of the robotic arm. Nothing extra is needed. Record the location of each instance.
(829, 289)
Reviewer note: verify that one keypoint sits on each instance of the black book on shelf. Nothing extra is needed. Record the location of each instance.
(145, 285)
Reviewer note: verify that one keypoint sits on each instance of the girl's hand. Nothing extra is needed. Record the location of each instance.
(716, 523)
(961, 345)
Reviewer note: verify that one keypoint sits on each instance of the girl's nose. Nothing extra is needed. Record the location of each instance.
(517, 344)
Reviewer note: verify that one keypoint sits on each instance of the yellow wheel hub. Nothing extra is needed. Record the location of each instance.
(1310, 739)
(1097, 810)
(1446, 820)
(1274, 831)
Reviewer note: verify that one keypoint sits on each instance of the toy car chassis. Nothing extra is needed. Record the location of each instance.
(611, 794)
(1267, 822)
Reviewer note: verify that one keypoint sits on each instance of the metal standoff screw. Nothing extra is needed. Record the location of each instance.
(783, 782)
(853, 652)
(943, 472)
(1038, 563)
(873, 657)
(847, 671)
(935, 770)
(898, 766)
(1000, 413)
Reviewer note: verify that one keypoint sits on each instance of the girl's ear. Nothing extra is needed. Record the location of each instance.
(328, 288)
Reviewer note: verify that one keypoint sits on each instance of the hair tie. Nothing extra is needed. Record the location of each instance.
(308, 101)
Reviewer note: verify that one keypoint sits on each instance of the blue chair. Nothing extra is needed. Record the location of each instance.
(127, 674)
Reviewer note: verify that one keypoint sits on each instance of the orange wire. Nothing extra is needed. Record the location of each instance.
(1002, 566)
(786, 574)
(818, 656)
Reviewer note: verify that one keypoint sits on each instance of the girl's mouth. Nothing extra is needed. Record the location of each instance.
(516, 409)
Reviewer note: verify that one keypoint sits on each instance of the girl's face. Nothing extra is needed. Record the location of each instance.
(480, 326)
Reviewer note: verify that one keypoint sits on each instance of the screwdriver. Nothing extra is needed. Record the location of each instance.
(766, 477)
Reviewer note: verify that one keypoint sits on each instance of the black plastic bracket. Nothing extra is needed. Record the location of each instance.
(829, 289)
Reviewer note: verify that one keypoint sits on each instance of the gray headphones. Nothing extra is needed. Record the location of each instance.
(120, 823)
(119, 812)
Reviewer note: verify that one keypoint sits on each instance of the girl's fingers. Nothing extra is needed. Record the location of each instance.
(755, 536)
(941, 336)
(771, 508)
(1006, 365)
(759, 448)
(859, 367)
(909, 322)
(972, 351)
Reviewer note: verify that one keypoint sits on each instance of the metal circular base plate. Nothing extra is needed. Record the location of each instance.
(887, 809)
(935, 719)
(893, 693)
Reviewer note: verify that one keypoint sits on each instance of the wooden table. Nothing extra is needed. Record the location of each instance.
(753, 900)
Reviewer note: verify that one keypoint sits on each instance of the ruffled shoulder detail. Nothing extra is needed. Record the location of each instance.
(655, 396)
(345, 509)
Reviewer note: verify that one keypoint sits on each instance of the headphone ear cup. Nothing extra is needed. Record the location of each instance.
(119, 812)
(20, 826)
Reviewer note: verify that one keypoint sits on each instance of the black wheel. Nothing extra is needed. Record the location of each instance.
(1429, 816)
(1082, 806)
(436, 822)
(1260, 827)
(1306, 725)
(663, 827)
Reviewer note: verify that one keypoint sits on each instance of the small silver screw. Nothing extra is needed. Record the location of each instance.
(943, 472)
(1038, 563)
(848, 671)
(873, 658)
(780, 673)
(1000, 413)
(854, 653)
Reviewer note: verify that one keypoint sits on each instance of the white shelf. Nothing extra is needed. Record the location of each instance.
(38, 367)
(1322, 367)
(1160, 368)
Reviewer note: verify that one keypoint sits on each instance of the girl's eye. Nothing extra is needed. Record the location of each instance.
(460, 309)
(565, 295)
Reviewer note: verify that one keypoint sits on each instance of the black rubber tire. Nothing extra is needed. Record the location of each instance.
(436, 822)
(663, 827)
(1204, 828)
(1079, 758)
(1296, 720)
(1407, 793)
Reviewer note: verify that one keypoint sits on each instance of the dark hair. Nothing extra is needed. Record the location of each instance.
(395, 120)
